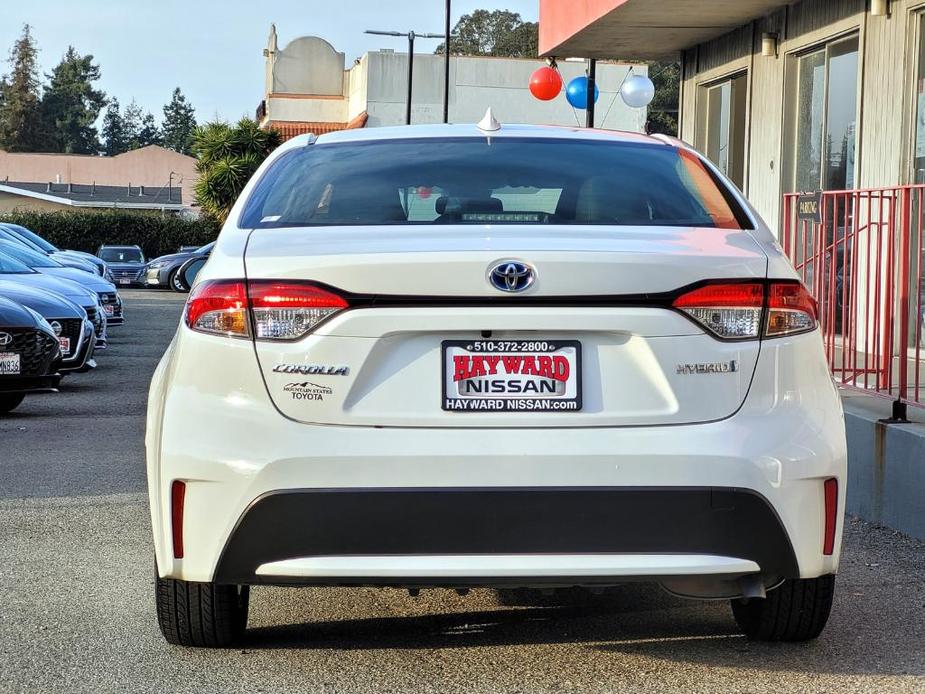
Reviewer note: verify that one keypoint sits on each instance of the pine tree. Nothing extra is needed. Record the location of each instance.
(114, 141)
(131, 123)
(179, 123)
(20, 105)
(70, 105)
(149, 134)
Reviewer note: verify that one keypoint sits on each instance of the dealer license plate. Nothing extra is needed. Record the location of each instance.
(109, 309)
(65, 344)
(512, 375)
(125, 280)
(9, 363)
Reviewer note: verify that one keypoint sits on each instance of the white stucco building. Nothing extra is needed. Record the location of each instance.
(309, 88)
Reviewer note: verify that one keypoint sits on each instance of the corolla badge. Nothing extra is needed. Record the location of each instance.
(511, 276)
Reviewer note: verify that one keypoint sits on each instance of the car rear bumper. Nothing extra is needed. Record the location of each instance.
(267, 498)
(282, 534)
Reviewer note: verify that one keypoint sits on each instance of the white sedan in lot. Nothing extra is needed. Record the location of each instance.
(437, 356)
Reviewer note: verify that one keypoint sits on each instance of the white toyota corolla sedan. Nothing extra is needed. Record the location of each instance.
(442, 356)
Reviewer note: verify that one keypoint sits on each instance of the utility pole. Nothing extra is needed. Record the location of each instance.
(446, 65)
(411, 37)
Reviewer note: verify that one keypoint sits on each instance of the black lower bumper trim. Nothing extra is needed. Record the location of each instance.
(29, 384)
(670, 520)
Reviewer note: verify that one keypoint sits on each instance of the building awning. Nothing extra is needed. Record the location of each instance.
(645, 29)
(289, 129)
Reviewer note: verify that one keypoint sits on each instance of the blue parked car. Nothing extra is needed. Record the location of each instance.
(46, 265)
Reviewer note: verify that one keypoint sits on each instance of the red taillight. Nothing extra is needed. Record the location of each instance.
(729, 310)
(218, 307)
(278, 309)
(288, 310)
(177, 496)
(830, 490)
(791, 309)
(733, 310)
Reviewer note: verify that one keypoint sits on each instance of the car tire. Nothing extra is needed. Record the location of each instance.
(173, 281)
(797, 610)
(10, 402)
(206, 615)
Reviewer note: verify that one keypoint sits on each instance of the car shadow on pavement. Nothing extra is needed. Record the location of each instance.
(633, 620)
(521, 617)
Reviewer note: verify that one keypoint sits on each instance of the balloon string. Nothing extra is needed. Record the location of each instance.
(616, 94)
(562, 80)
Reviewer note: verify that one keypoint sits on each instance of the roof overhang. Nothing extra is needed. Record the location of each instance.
(91, 204)
(643, 29)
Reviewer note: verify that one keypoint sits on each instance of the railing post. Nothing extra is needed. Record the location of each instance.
(905, 230)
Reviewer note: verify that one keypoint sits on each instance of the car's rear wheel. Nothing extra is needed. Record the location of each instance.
(8, 403)
(201, 614)
(175, 283)
(797, 610)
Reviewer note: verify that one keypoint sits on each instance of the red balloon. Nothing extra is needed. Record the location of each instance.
(545, 83)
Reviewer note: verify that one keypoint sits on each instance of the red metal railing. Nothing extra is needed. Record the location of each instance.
(862, 259)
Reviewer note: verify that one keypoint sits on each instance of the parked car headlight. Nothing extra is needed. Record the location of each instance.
(155, 264)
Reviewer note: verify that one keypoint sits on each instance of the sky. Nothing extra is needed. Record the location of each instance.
(213, 50)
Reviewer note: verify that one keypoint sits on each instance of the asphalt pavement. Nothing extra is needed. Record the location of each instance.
(77, 613)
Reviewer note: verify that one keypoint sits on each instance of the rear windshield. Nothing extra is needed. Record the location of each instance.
(122, 255)
(489, 181)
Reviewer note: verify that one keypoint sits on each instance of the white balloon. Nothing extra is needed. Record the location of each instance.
(637, 91)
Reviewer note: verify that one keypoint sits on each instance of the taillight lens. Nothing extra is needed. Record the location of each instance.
(278, 310)
(791, 309)
(218, 307)
(289, 310)
(734, 310)
(731, 311)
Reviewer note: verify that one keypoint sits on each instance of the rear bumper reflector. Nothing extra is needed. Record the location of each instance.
(830, 487)
(177, 497)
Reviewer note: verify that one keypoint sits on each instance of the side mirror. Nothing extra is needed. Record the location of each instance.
(188, 271)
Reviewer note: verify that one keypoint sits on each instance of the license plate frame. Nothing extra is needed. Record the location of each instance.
(13, 359)
(569, 401)
(64, 344)
(109, 310)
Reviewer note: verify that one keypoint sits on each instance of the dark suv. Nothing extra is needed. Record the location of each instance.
(126, 263)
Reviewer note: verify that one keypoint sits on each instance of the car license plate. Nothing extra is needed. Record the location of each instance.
(125, 280)
(512, 375)
(9, 363)
(65, 344)
(109, 309)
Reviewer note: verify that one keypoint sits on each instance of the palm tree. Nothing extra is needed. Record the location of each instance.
(228, 156)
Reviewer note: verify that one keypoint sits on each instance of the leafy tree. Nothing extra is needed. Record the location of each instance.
(70, 105)
(498, 33)
(663, 111)
(114, 140)
(20, 104)
(148, 133)
(179, 124)
(228, 156)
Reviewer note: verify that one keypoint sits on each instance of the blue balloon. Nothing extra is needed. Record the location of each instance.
(577, 92)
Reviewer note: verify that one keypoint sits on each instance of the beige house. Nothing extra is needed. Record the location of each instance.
(150, 178)
(309, 87)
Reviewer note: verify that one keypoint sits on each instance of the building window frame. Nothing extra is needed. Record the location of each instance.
(702, 136)
(789, 139)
